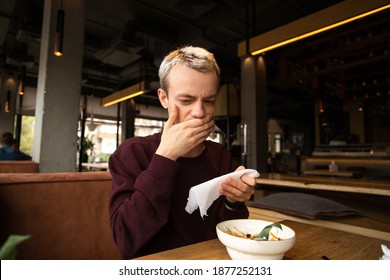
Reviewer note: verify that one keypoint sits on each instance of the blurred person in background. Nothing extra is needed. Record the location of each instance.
(9, 150)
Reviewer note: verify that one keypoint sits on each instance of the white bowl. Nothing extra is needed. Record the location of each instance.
(246, 249)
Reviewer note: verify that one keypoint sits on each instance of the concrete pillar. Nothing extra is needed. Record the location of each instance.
(8, 86)
(254, 111)
(58, 92)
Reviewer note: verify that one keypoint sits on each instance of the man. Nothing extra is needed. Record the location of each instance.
(152, 175)
(8, 150)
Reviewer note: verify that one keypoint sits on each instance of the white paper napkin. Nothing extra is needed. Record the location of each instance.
(386, 252)
(204, 194)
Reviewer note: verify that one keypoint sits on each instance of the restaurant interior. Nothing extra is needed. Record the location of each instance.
(311, 113)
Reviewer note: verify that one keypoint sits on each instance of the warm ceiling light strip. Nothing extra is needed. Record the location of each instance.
(124, 94)
(326, 19)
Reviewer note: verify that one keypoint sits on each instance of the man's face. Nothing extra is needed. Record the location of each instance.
(193, 93)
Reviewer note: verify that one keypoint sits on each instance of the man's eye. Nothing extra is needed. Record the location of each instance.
(210, 101)
(185, 101)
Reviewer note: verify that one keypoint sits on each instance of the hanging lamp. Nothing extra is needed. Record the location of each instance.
(59, 38)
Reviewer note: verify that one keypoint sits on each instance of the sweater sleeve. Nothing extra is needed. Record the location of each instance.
(228, 214)
(140, 199)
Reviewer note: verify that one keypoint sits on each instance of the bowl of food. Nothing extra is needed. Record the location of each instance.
(249, 239)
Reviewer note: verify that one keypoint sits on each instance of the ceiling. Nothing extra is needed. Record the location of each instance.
(126, 40)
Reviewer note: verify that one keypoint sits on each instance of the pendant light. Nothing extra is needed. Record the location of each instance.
(7, 107)
(92, 126)
(58, 43)
(22, 79)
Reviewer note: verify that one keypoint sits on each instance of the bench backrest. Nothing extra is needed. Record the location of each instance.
(66, 214)
(18, 166)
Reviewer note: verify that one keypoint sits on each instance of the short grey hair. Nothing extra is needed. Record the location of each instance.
(193, 57)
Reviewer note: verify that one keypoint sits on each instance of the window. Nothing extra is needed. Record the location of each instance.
(27, 134)
(278, 143)
(144, 127)
(101, 139)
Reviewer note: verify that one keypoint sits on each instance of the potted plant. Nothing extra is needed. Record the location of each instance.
(8, 250)
(87, 149)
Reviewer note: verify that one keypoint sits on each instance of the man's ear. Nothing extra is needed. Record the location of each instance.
(163, 97)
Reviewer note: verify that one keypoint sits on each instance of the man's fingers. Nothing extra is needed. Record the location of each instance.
(241, 167)
(172, 117)
(248, 180)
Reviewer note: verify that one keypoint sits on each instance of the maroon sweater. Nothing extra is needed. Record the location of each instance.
(149, 195)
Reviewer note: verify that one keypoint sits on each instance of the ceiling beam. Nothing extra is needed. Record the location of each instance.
(310, 24)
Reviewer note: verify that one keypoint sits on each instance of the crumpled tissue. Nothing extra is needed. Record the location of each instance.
(204, 194)
(386, 252)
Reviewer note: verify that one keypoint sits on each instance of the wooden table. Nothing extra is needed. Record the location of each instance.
(375, 187)
(101, 166)
(312, 243)
(366, 226)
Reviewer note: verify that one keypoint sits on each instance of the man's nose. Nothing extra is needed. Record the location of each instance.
(198, 110)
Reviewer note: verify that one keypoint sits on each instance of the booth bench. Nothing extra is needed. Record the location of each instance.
(66, 215)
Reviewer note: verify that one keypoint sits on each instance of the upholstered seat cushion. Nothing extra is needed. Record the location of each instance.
(304, 205)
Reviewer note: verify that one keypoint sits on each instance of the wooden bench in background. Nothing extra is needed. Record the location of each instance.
(66, 215)
(19, 166)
